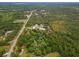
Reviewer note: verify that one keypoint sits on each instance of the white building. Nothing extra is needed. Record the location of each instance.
(36, 14)
(37, 27)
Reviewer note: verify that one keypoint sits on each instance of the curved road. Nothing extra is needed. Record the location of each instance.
(18, 35)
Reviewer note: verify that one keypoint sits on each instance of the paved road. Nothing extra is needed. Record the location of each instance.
(19, 34)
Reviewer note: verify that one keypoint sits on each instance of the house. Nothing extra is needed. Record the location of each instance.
(37, 27)
(36, 14)
(44, 13)
(43, 10)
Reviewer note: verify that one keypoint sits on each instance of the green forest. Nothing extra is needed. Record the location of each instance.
(60, 39)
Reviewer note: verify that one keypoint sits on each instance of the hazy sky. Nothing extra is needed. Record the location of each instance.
(39, 0)
(41, 3)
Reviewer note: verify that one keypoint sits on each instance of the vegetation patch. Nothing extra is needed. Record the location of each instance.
(59, 26)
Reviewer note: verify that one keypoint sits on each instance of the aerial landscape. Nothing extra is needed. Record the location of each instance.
(39, 29)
